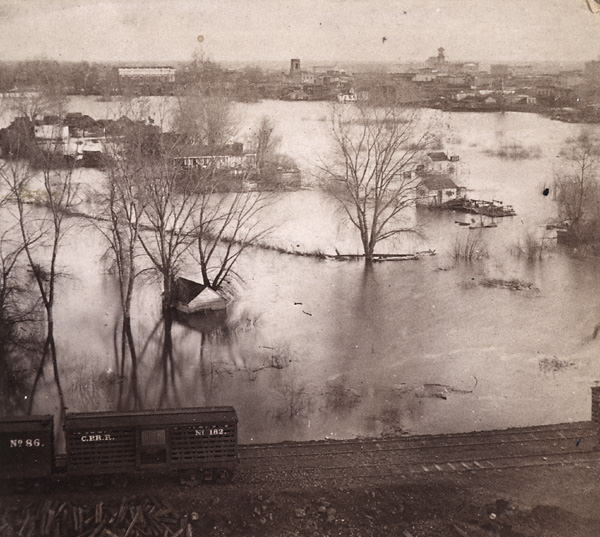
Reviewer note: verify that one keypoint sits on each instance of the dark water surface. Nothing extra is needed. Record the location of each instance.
(332, 349)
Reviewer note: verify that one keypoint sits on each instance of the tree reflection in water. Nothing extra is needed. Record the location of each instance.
(164, 365)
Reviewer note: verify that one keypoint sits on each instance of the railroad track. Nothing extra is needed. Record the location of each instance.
(418, 456)
(323, 475)
(559, 433)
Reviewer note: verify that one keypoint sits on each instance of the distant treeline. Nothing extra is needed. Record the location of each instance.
(101, 79)
(71, 78)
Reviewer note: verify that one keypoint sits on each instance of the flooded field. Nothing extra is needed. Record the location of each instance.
(320, 348)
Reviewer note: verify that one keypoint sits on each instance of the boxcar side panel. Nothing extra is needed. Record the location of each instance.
(100, 451)
(203, 446)
(26, 448)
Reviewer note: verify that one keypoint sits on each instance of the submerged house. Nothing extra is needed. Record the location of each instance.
(194, 297)
(438, 189)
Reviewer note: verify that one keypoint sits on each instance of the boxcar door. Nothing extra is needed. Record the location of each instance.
(152, 450)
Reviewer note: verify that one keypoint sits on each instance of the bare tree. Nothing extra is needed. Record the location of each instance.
(123, 205)
(577, 185)
(18, 314)
(372, 174)
(226, 224)
(265, 144)
(170, 199)
(41, 237)
(204, 120)
(50, 98)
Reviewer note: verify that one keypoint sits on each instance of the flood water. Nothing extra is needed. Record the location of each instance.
(328, 349)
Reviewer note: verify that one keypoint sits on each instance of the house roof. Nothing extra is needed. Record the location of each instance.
(438, 182)
(437, 156)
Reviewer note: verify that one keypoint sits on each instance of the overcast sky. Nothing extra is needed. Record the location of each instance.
(326, 30)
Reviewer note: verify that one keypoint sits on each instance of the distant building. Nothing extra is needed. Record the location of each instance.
(147, 80)
(425, 75)
(440, 162)
(362, 94)
(439, 61)
(457, 80)
(551, 94)
(230, 158)
(295, 71)
(307, 78)
(522, 70)
(517, 98)
(470, 67)
(570, 79)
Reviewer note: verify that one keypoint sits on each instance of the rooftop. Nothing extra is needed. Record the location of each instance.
(439, 182)
(438, 156)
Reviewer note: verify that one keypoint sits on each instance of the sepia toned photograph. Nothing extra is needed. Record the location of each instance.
(299, 268)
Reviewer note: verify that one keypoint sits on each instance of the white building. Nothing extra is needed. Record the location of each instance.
(59, 139)
(440, 162)
(145, 72)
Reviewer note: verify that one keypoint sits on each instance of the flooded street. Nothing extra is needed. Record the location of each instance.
(328, 349)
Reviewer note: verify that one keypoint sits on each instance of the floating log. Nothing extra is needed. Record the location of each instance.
(382, 257)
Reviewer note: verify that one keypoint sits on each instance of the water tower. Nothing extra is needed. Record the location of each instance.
(441, 57)
(294, 66)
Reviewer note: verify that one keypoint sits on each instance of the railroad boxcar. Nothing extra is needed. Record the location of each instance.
(26, 447)
(203, 439)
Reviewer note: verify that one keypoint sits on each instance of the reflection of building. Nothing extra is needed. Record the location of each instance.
(147, 80)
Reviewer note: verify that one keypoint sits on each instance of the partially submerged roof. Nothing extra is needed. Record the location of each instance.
(192, 296)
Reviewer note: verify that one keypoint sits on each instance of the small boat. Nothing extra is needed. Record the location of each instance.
(461, 223)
